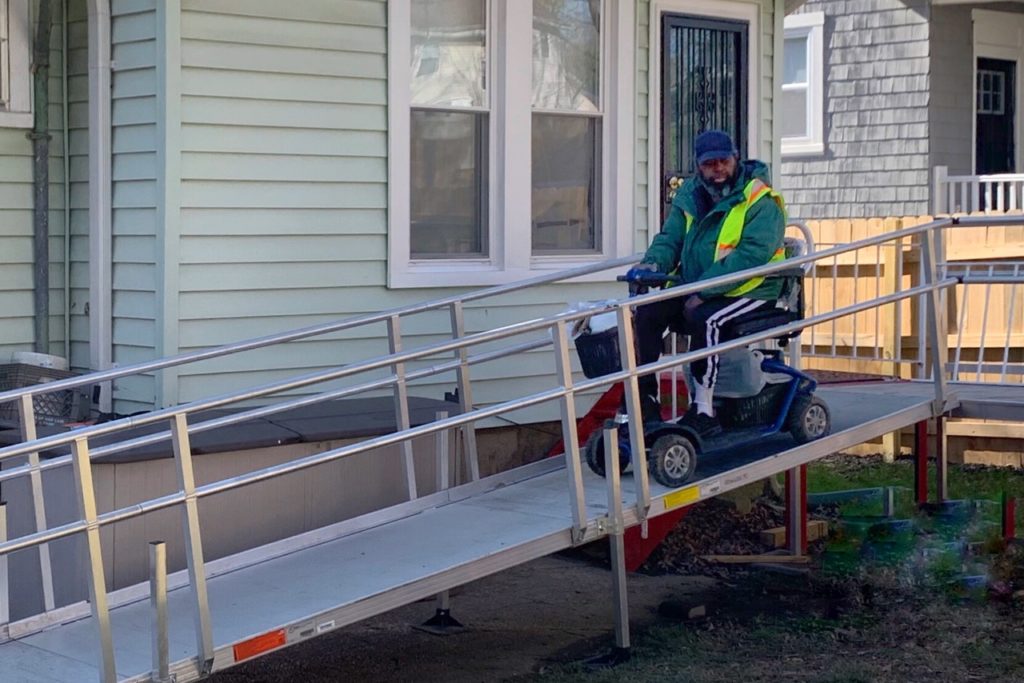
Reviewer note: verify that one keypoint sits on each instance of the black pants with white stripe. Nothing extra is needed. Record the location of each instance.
(711, 323)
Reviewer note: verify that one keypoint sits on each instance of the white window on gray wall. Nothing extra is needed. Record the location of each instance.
(801, 112)
(15, 93)
(507, 155)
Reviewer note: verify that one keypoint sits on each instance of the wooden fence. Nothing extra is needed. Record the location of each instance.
(984, 322)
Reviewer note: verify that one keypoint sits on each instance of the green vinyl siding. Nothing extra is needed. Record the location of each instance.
(283, 181)
(134, 144)
(78, 151)
(16, 227)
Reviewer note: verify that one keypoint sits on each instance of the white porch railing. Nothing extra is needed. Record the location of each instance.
(969, 193)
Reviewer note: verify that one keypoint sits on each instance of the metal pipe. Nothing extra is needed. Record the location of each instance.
(458, 321)
(570, 435)
(193, 544)
(631, 389)
(984, 327)
(40, 137)
(97, 579)
(26, 414)
(442, 449)
(1009, 332)
(5, 589)
(401, 397)
(158, 605)
(66, 153)
(616, 540)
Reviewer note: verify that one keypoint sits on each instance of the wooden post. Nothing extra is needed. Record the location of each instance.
(939, 175)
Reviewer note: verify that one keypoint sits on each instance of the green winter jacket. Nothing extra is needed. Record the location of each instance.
(694, 252)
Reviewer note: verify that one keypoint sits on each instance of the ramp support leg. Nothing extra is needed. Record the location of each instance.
(616, 533)
(796, 510)
(941, 464)
(1009, 517)
(921, 462)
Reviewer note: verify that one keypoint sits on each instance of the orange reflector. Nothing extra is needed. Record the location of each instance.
(259, 644)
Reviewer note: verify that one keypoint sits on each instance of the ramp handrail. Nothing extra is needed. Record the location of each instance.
(515, 329)
(565, 392)
(100, 376)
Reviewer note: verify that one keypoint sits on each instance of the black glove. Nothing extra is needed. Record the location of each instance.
(636, 276)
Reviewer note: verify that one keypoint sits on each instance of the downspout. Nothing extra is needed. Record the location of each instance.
(66, 146)
(40, 137)
(100, 258)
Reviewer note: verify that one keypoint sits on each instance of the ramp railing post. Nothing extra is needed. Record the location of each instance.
(627, 352)
(193, 541)
(570, 436)
(402, 403)
(458, 320)
(26, 413)
(935, 328)
(5, 590)
(86, 495)
(441, 447)
(158, 604)
(616, 538)
(796, 510)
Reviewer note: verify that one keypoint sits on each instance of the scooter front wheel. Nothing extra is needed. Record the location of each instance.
(673, 460)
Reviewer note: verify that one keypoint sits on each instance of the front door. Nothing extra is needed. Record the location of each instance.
(995, 96)
(703, 87)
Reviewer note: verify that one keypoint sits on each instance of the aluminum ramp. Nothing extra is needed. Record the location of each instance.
(310, 591)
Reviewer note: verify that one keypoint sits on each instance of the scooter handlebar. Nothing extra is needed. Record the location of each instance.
(650, 278)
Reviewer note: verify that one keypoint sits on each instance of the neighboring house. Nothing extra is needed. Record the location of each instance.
(878, 93)
(236, 169)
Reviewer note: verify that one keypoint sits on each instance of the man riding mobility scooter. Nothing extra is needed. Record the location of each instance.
(724, 220)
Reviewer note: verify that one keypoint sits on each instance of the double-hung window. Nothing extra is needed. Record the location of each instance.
(510, 137)
(802, 110)
(15, 78)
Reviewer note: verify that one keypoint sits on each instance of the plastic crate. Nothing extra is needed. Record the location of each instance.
(55, 407)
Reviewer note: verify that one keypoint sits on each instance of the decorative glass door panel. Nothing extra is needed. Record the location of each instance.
(704, 87)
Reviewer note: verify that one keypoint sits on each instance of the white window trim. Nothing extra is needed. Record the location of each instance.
(810, 25)
(712, 9)
(510, 256)
(17, 111)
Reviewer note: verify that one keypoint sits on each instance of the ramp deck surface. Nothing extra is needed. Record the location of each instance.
(334, 583)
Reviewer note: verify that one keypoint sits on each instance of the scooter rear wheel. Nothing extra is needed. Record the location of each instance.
(809, 419)
(673, 460)
(593, 453)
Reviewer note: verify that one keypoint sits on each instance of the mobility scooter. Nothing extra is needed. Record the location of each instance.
(757, 393)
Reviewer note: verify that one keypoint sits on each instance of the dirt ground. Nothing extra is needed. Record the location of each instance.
(518, 622)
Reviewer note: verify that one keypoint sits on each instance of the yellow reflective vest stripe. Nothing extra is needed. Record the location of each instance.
(731, 231)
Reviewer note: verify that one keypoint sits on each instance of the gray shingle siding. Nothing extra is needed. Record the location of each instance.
(877, 154)
(950, 111)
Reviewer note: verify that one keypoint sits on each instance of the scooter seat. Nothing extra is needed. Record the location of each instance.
(760, 321)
